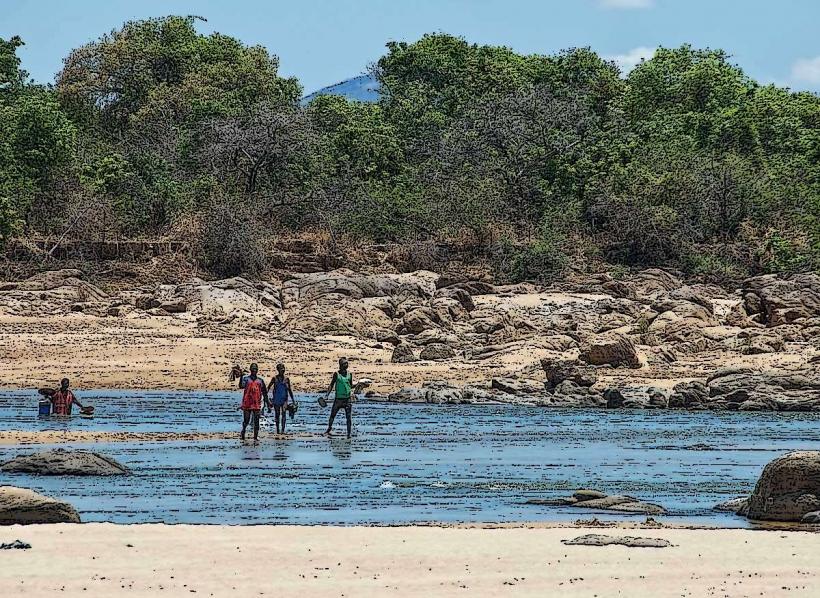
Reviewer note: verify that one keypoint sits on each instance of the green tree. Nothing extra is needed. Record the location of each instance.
(162, 69)
(36, 140)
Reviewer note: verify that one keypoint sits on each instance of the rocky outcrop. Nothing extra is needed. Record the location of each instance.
(568, 394)
(64, 462)
(357, 285)
(774, 300)
(52, 292)
(747, 390)
(788, 488)
(635, 397)
(595, 500)
(23, 506)
(644, 286)
(615, 350)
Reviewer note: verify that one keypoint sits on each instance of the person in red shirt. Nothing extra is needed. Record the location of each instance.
(63, 399)
(252, 399)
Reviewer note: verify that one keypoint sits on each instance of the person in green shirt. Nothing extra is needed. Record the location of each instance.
(342, 381)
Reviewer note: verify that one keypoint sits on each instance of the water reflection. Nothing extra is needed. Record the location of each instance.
(342, 448)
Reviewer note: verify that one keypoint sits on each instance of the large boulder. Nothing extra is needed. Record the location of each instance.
(788, 488)
(569, 394)
(63, 462)
(422, 319)
(774, 301)
(337, 314)
(689, 395)
(558, 370)
(644, 286)
(615, 350)
(357, 286)
(748, 390)
(635, 397)
(23, 506)
(402, 353)
(437, 352)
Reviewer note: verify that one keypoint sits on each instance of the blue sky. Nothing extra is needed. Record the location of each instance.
(325, 41)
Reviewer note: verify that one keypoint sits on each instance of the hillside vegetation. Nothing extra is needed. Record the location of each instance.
(536, 163)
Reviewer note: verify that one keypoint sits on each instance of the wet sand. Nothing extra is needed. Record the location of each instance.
(15, 437)
(103, 560)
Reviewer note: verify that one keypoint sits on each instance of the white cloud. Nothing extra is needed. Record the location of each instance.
(807, 70)
(629, 60)
(626, 3)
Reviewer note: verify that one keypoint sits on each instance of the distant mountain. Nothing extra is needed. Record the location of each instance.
(363, 88)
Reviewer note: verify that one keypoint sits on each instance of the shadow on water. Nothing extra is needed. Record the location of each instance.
(409, 463)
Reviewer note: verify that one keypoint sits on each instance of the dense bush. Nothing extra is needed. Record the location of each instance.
(537, 162)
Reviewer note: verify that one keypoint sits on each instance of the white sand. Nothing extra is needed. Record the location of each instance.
(95, 560)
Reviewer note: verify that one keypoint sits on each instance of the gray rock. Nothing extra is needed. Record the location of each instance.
(64, 462)
(23, 506)
(585, 494)
(559, 370)
(16, 545)
(776, 300)
(437, 352)
(595, 500)
(734, 505)
(630, 541)
(788, 488)
(520, 388)
(615, 350)
(689, 395)
(176, 305)
(569, 394)
(402, 353)
(813, 517)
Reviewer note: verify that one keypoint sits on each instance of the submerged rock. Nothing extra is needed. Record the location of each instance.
(788, 488)
(23, 506)
(734, 505)
(593, 499)
(63, 462)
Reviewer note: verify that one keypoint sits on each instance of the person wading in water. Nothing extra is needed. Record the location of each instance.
(255, 393)
(63, 399)
(342, 381)
(280, 389)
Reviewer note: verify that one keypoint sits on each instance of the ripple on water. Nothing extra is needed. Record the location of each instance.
(410, 462)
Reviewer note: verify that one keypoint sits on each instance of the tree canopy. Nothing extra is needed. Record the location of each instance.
(536, 162)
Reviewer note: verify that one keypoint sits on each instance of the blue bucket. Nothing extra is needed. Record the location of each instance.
(45, 408)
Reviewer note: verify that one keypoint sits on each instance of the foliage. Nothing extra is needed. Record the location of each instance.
(537, 161)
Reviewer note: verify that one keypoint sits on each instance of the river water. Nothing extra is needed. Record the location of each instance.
(409, 463)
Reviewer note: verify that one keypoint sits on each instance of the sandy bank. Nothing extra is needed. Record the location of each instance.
(149, 560)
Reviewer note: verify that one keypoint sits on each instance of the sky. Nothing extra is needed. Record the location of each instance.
(326, 41)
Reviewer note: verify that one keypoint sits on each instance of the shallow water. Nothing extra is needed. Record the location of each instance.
(409, 463)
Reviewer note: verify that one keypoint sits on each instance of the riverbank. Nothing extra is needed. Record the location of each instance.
(147, 560)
